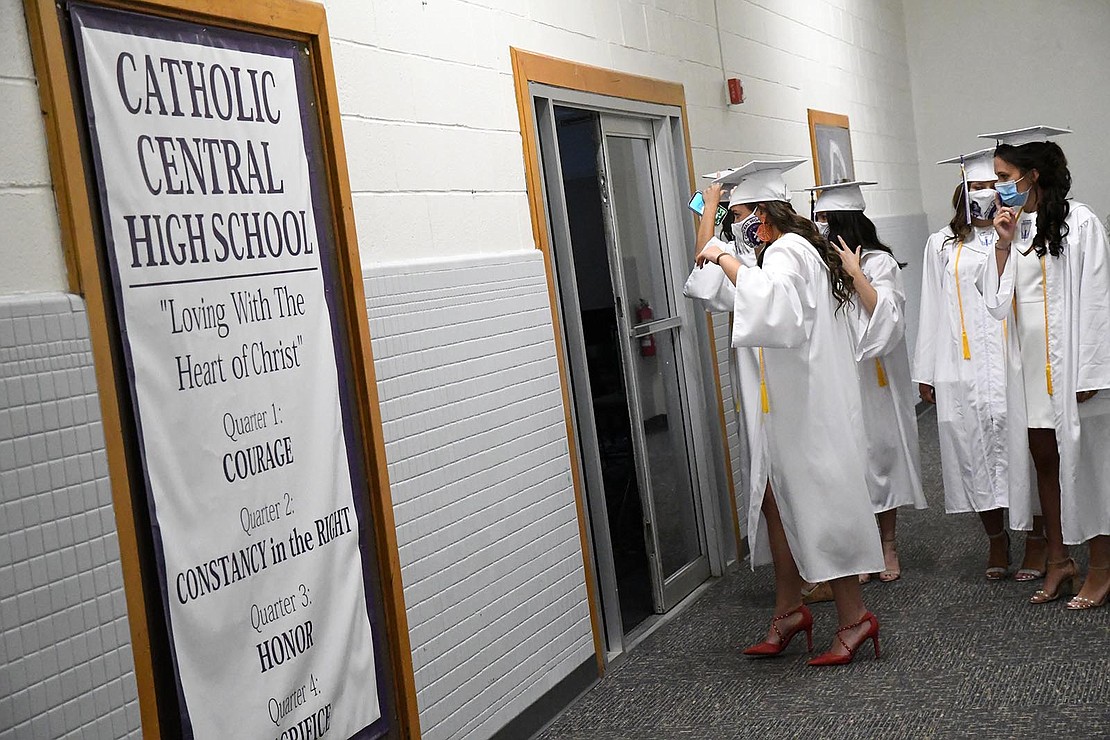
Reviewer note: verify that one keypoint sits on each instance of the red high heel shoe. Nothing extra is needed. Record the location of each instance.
(767, 648)
(831, 658)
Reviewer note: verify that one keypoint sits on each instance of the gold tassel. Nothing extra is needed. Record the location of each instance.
(763, 385)
(959, 303)
(881, 374)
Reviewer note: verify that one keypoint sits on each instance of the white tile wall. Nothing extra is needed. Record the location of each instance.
(480, 475)
(66, 668)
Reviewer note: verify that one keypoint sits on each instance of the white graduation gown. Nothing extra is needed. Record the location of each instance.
(814, 423)
(1078, 291)
(889, 416)
(711, 286)
(970, 392)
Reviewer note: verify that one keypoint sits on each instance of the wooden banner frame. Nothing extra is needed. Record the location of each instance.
(304, 22)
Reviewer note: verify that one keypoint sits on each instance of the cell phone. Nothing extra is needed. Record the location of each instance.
(697, 205)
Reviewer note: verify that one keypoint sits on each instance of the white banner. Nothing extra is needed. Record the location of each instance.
(209, 216)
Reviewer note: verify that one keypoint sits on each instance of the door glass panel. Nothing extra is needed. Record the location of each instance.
(654, 360)
(668, 465)
(638, 229)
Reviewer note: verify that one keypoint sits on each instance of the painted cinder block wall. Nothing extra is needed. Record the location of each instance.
(1065, 86)
(433, 141)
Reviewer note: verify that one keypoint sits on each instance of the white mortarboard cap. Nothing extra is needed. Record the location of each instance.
(979, 165)
(718, 175)
(759, 181)
(840, 196)
(1027, 135)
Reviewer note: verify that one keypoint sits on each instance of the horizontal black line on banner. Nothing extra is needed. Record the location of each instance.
(221, 277)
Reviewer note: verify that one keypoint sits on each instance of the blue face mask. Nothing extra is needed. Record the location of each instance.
(1008, 192)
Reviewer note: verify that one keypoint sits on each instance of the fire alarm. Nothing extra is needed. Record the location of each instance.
(735, 91)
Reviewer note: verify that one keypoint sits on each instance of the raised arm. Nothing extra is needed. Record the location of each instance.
(879, 330)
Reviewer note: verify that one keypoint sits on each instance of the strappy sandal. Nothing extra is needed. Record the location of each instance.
(996, 572)
(817, 593)
(889, 575)
(1082, 602)
(1031, 574)
(1069, 583)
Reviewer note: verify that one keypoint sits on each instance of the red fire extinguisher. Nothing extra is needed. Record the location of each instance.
(643, 315)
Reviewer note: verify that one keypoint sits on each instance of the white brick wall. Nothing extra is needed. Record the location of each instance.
(66, 669)
(433, 134)
(26, 202)
(480, 475)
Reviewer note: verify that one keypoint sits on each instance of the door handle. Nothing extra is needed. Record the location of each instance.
(651, 327)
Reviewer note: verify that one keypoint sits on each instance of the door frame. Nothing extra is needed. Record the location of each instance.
(622, 93)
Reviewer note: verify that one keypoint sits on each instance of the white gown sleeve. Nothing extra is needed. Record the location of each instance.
(1094, 305)
(998, 290)
(775, 306)
(709, 284)
(932, 311)
(879, 333)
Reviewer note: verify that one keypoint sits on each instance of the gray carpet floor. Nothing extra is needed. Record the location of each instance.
(961, 657)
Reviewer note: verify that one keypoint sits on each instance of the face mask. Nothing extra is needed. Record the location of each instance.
(763, 233)
(1009, 194)
(984, 203)
(744, 232)
(823, 227)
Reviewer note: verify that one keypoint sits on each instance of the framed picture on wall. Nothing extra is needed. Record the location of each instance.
(831, 142)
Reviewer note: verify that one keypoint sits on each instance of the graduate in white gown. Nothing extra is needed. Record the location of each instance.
(883, 364)
(709, 285)
(1051, 279)
(960, 365)
(792, 306)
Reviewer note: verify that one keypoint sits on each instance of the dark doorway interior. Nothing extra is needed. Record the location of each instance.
(578, 135)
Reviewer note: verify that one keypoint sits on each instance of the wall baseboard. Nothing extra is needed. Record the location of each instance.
(540, 712)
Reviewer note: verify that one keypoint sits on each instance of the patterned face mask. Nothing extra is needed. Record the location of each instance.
(745, 232)
(984, 203)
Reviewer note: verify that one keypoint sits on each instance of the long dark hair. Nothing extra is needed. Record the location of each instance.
(857, 230)
(1054, 184)
(726, 226)
(784, 218)
(961, 228)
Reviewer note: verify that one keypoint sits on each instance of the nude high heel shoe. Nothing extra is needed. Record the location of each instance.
(1068, 584)
(1082, 602)
(996, 572)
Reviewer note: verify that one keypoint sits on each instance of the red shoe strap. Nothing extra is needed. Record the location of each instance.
(776, 620)
(866, 618)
